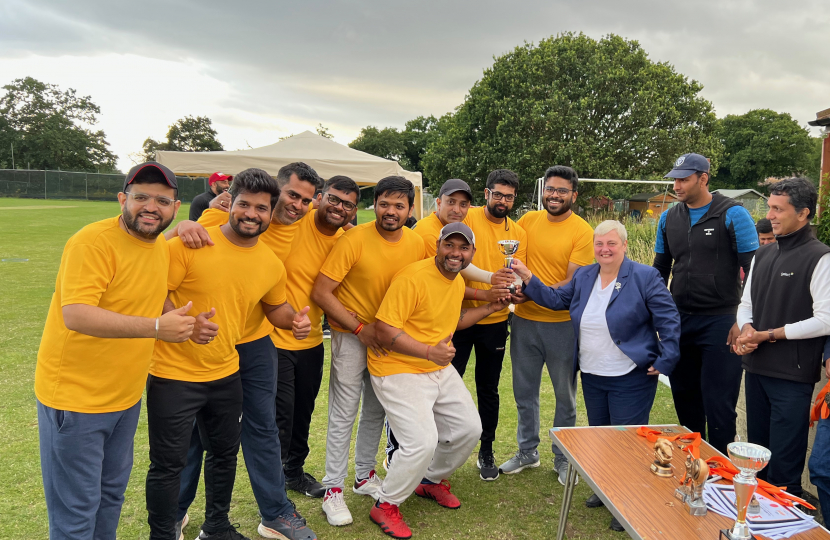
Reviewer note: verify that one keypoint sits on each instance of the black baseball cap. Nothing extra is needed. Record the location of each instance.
(458, 228)
(453, 185)
(137, 173)
(687, 165)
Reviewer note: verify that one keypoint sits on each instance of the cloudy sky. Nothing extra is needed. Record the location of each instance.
(268, 68)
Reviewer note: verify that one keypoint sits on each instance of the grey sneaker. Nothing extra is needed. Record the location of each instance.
(521, 461)
(560, 465)
(287, 526)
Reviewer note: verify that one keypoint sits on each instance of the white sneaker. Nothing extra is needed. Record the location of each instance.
(368, 486)
(337, 513)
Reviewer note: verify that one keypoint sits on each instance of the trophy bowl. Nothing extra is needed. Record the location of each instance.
(749, 459)
(508, 248)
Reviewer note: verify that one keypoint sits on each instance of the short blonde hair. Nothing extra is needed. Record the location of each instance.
(611, 225)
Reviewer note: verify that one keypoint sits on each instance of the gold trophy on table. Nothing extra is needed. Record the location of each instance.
(509, 248)
(749, 459)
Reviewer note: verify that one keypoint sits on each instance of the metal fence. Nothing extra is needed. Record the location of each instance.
(31, 184)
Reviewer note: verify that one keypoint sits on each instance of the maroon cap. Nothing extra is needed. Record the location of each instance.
(139, 171)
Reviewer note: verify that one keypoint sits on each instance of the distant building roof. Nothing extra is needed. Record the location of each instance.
(648, 196)
(738, 193)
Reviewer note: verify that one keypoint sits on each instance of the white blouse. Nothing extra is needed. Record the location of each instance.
(598, 354)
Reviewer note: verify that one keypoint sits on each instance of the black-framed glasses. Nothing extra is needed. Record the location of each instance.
(550, 190)
(498, 195)
(143, 198)
(334, 200)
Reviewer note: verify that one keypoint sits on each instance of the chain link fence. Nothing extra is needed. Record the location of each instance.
(31, 184)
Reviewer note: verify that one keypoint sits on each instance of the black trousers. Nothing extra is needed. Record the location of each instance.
(171, 408)
(489, 341)
(298, 383)
(778, 418)
(706, 382)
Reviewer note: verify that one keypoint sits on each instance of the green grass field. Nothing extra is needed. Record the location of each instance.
(521, 506)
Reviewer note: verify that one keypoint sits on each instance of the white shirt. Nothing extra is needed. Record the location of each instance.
(598, 354)
(817, 325)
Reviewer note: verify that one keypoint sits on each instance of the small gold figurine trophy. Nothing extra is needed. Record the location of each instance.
(662, 458)
(691, 492)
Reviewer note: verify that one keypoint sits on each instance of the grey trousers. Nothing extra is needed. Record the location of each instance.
(348, 379)
(532, 345)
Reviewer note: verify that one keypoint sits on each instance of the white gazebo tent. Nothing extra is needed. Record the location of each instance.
(325, 156)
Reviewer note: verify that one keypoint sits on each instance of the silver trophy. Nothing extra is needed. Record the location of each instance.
(509, 248)
(749, 459)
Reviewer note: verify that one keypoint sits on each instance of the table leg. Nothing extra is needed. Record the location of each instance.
(567, 496)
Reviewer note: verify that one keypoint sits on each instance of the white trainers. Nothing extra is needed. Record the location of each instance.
(337, 513)
(368, 486)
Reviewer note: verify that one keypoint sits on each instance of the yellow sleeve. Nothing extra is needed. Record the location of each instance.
(276, 296)
(178, 263)
(399, 303)
(87, 271)
(213, 217)
(341, 259)
(583, 250)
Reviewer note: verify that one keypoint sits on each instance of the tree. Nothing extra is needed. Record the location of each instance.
(50, 128)
(323, 131)
(762, 143)
(386, 143)
(602, 107)
(188, 134)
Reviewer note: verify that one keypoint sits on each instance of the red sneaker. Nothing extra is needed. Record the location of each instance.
(440, 493)
(389, 517)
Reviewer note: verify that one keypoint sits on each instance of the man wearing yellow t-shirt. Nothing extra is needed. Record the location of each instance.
(430, 410)
(301, 362)
(200, 380)
(559, 242)
(350, 288)
(490, 224)
(95, 353)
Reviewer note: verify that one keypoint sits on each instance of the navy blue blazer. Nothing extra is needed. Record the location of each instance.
(640, 307)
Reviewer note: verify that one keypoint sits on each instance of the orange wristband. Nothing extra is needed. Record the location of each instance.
(357, 330)
(475, 293)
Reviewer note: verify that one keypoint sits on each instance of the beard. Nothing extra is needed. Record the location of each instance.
(391, 227)
(563, 208)
(235, 225)
(447, 268)
(498, 210)
(144, 231)
(334, 219)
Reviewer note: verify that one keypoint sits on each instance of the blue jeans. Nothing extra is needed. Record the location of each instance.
(619, 401)
(820, 467)
(85, 459)
(260, 436)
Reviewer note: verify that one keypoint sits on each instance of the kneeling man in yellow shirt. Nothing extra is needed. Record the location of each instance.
(427, 405)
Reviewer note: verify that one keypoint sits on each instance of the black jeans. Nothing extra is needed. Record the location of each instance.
(706, 382)
(489, 341)
(298, 383)
(778, 418)
(171, 408)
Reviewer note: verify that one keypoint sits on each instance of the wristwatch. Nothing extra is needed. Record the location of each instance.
(771, 335)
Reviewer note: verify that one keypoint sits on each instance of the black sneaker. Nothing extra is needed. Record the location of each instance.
(227, 534)
(287, 526)
(307, 485)
(487, 469)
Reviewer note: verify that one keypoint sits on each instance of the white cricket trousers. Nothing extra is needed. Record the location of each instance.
(436, 424)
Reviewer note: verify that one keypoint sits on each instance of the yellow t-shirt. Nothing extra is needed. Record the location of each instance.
(429, 229)
(425, 305)
(551, 247)
(279, 238)
(103, 266)
(364, 263)
(488, 255)
(308, 253)
(224, 276)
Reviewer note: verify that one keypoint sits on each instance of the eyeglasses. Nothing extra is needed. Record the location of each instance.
(497, 195)
(334, 200)
(143, 198)
(559, 191)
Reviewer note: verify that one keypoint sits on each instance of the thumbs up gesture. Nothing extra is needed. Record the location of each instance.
(204, 331)
(301, 325)
(176, 326)
(443, 353)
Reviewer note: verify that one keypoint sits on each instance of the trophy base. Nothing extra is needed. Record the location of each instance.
(696, 508)
(726, 534)
(660, 470)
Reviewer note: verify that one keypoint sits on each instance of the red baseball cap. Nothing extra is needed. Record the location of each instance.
(218, 177)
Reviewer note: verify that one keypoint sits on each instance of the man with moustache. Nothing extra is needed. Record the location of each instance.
(490, 224)
(103, 320)
(703, 242)
(350, 287)
(427, 404)
(201, 380)
(559, 242)
(301, 362)
(218, 183)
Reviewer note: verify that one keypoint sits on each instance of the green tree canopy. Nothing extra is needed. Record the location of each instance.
(763, 143)
(51, 129)
(188, 134)
(602, 107)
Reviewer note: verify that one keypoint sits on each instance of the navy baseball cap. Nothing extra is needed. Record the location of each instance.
(458, 228)
(151, 167)
(454, 185)
(687, 165)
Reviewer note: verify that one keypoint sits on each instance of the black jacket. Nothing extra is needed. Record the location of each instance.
(200, 203)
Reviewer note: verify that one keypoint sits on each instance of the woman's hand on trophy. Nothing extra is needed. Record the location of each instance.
(521, 270)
